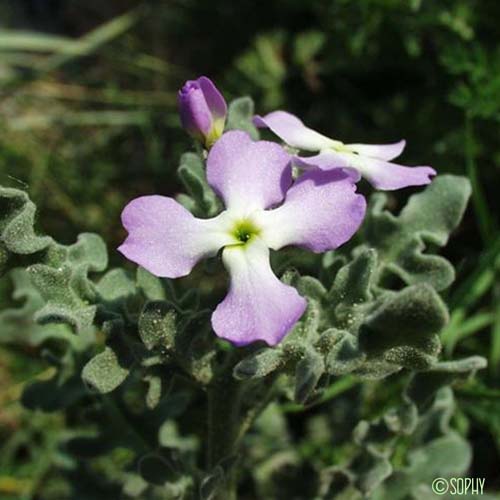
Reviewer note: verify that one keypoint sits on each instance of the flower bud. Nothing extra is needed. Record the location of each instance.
(202, 110)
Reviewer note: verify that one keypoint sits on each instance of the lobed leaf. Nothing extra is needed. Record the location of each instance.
(427, 220)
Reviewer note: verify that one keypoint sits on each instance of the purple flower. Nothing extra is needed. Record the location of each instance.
(265, 210)
(202, 109)
(372, 161)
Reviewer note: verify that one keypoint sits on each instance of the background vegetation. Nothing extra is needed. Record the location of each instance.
(88, 120)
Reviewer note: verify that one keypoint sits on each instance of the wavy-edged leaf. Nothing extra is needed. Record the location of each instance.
(426, 221)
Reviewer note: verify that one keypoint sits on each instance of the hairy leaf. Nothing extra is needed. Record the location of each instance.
(426, 221)
(240, 115)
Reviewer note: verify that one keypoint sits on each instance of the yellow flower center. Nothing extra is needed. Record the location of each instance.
(244, 231)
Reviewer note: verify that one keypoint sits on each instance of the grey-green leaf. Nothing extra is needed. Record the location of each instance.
(428, 219)
(104, 372)
(157, 325)
(240, 115)
(192, 174)
(259, 364)
(407, 318)
(307, 374)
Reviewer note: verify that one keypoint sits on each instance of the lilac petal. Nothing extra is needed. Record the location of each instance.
(381, 151)
(194, 111)
(247, 174)
(293, 131)
(166, 239)
(381, 174)
(321, 212)
(389, 176)
(258, 305)
(327, 160)
(215, 101)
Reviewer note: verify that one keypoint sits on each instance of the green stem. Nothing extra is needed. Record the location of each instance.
(224, 401)
(229, 419)
(251, 415)
(495, 334)
(478, 198)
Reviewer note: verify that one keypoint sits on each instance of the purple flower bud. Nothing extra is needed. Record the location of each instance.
(202, 110)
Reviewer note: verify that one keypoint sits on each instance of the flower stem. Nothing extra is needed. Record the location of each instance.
(224, 399)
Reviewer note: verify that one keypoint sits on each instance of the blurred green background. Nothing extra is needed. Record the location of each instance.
(88, 120)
